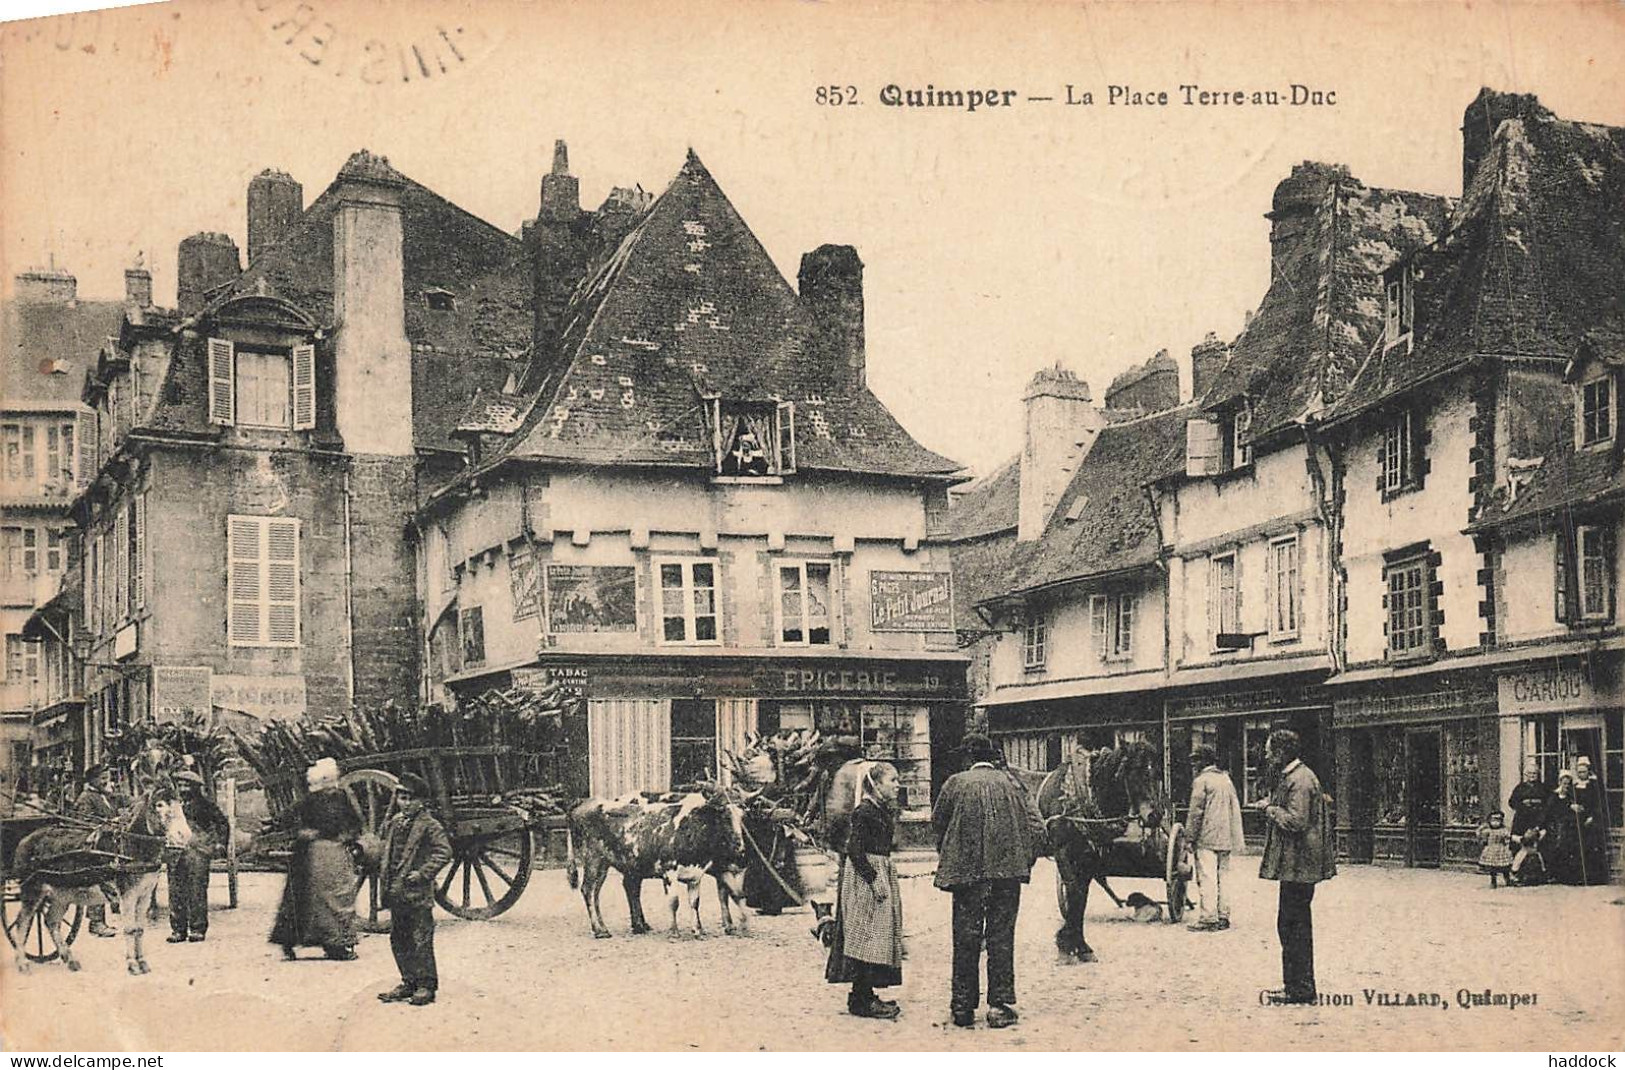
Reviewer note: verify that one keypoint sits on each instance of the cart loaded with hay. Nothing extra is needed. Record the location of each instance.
(492, 766)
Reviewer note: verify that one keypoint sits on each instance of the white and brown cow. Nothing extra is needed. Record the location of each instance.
(675, 839)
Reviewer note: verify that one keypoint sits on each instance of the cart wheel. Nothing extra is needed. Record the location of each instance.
(39, 947)
(372, 792)
(487, 874)
(1176, 872)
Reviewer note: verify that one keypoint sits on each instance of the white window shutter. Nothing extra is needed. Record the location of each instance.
(1099, 631)
(787, 436)
(84, 441)
(717, 445)
(222, 382)
(282, 582)
(140, 552)
(304, 388)
(1202, 447)
(121, 573)
(244, 585)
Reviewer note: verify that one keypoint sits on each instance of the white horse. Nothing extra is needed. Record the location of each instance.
(45, 864)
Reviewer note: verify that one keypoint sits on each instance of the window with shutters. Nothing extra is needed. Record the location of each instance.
(688, 601)
(271, 388)
(264, 390)
(20, 547)
(59, 457)
(56, 547)
(21, 464)
(1596, 575)
(121, 558)
(804, 614)
(22, 660)
(1122, 645)
(1035, 640)
(1224, 603)
(753, 440)
(262, 580)
(1284, 587)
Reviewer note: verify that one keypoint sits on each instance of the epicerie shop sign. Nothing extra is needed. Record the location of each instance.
(1546, 690)
(911, 601)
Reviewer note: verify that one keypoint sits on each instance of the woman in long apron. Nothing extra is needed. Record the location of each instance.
(867, 951)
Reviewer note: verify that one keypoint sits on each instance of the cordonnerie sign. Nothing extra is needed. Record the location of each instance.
(911, 601)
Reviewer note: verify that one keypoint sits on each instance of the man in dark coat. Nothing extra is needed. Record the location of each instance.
(415, 849)
(1299, 854)
(188, 857)
(988, 836)
(97, 806)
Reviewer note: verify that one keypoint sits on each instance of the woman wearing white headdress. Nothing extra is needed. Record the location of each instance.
(867, 951)
(318, 901)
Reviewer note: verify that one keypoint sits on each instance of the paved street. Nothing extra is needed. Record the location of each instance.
(535, 979)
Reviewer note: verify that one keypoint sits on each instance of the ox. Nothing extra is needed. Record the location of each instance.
(676, 839)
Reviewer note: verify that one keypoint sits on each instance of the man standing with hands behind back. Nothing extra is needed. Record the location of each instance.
(1297, 854)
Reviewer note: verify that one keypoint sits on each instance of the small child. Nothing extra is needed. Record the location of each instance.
(1496, 858)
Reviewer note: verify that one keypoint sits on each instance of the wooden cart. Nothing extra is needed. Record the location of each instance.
(12, 831)
(492, 849)
(1163, 853)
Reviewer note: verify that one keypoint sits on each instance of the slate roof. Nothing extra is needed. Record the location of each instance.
(987, 506)
(1116, 528)
(35, 333)
(1324, 308)
(478, 344)
(1532, 258)
(981, 532)
(690, 305)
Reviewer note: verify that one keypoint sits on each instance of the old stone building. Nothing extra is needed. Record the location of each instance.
(48, 333)
(691, 506)
(264, 445)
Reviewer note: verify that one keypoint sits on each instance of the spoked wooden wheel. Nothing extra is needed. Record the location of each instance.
(1176, 872)
(372, 793)
(39, 948)
(487, 874)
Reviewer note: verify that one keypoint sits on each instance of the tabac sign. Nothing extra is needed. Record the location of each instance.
(1546, 689)
(911, 601)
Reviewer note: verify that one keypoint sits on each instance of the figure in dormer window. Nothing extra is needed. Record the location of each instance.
(754, 439)
(745, 455)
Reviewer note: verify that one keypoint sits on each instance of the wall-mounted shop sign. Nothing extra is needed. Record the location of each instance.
(1546, 689)
(911, 601)
(272, 698)
(863, 679)
(181, 693)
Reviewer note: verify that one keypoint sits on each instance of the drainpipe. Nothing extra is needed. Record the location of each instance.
(349, 607)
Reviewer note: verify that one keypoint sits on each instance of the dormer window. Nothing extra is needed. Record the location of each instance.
(262, 387)
(1398, 305)
(1597, 411)
(754, 440)
(1238, 438)
(440, 300)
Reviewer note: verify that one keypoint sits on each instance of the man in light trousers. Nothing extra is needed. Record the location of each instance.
(1214, 829)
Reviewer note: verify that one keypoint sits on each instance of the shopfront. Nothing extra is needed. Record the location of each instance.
(1552, 712)
(1236, 723)
(1417, 768)
(1038, 736)
(657, 723)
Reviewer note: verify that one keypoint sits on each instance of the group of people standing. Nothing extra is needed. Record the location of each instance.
(1558, 834)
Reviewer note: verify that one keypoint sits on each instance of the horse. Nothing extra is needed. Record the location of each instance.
(1090, 803)
(55, 871)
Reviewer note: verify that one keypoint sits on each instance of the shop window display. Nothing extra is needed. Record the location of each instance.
(1462, 803)
(1388, 780)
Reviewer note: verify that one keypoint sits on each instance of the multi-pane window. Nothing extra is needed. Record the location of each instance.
(1409, 607)
(1596, 573)
(1225, 607)
(262, 389)
(1284, 587)
(21, 464)
(262, 581)
(804, 604)
(1597, 411)
(1035, 640)
(1111, 625)
(1238, 441)
(688, 601)
(20, 547)
(59, 455)
(55, 550)
(1396, 452)
(22, 660)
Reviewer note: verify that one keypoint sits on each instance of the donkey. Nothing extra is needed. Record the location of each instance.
(55, 872)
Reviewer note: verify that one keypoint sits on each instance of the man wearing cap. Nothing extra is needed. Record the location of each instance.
(190, 846)
(415, 849)
(1213, 828)
(1298, 853)
(97, 806)
(989, 834)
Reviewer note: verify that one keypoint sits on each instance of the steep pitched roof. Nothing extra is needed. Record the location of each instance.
(690, 306)
(1324, 308)
(1533, 256)
(1115, 527)
(478, 342)
(47, 348)
(987, 506)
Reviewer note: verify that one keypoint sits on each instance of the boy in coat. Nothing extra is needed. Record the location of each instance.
(1296, 853)
(415, 849)
(188, 856)
(1214, 830)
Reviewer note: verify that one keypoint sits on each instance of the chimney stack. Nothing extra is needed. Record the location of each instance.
(138, 287)
(1481, 119)
(558, 242)
(47, 287)
(1149, 387)
(372, 357)
(204, 261)
(1207, 357)
(831, 285)
(1062, 424)
(1292, 210)
(275, 203)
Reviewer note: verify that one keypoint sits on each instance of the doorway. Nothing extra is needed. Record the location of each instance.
(693, 741)
(1424, 788)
